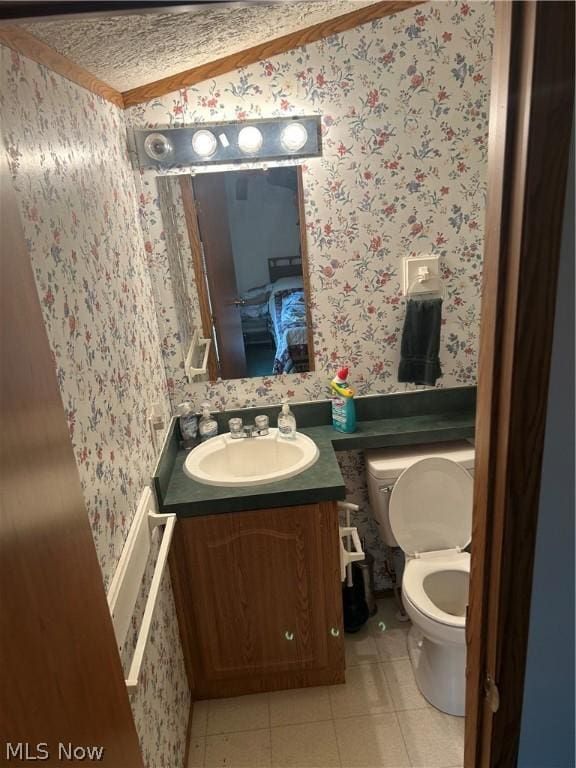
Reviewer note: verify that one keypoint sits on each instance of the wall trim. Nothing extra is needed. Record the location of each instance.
(23, 42)
(265, 50)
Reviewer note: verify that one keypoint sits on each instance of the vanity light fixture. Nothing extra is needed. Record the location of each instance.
(293, 137)
(204, 143)
(250, 139)
(158, 147)
(234, 142)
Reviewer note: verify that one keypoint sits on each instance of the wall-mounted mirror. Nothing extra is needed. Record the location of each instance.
(238, 269)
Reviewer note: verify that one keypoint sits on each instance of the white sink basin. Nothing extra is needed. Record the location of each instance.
(223, 460)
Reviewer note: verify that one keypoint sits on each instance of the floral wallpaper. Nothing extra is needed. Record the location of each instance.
(74, 182)
(404, 104)
(353, 467)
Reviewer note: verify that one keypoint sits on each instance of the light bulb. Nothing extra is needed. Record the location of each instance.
(294, 136)
(204, 143)
(157, 146)
(250, 139)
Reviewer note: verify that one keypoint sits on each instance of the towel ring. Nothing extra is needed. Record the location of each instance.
(441, 289)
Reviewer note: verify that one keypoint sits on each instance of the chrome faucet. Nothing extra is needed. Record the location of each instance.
(259, 428)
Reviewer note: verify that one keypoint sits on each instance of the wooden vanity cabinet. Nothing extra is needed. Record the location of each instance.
(258, 596)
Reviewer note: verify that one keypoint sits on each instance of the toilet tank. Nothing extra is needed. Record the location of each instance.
(385, 465)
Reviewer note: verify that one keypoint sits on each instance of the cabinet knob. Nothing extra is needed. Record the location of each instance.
(289, 635)
(382, 626)
(335, 632)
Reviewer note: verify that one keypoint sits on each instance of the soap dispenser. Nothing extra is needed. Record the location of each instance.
(207, 426)
(286, 422)
(188, 424)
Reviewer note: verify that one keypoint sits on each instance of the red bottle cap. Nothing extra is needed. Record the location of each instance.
(342, 374)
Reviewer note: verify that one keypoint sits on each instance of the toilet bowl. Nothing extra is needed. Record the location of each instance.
(429, 514)
(435, 595)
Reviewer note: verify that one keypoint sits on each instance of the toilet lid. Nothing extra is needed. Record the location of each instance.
(431, 506)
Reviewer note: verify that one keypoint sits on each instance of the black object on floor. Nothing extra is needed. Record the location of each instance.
(356, 611)
(366, 570)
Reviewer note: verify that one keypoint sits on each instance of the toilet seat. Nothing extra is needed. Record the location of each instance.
(431, 518)
(431, 506)
(415, 591)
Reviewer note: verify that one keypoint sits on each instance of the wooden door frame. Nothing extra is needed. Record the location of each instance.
(529, 138)
(305, 266)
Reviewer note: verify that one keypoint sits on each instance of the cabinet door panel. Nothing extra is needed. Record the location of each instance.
(257, 581)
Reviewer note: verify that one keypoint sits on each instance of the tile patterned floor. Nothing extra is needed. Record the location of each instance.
(378, 719)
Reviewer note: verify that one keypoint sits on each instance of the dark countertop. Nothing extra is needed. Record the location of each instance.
(321, 482)
(388, 420)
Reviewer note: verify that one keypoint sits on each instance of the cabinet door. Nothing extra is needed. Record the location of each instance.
(257, 583)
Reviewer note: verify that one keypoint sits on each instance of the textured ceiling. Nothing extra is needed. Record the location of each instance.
(131, 50)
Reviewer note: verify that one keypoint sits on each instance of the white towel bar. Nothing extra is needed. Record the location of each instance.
(127, 581)
(189, 369)
(169, 521)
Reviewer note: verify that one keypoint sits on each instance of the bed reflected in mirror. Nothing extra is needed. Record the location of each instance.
(273, 318)
(241, 277)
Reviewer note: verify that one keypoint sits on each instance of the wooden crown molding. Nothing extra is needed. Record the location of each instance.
(265, 50)
(21, 41)
(27, 44)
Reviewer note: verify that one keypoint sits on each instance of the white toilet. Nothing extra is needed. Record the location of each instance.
(421, 497)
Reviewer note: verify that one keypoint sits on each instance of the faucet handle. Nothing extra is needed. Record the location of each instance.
(261, 423)
(235, 427)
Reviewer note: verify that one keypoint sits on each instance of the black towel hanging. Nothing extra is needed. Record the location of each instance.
(420, 346)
